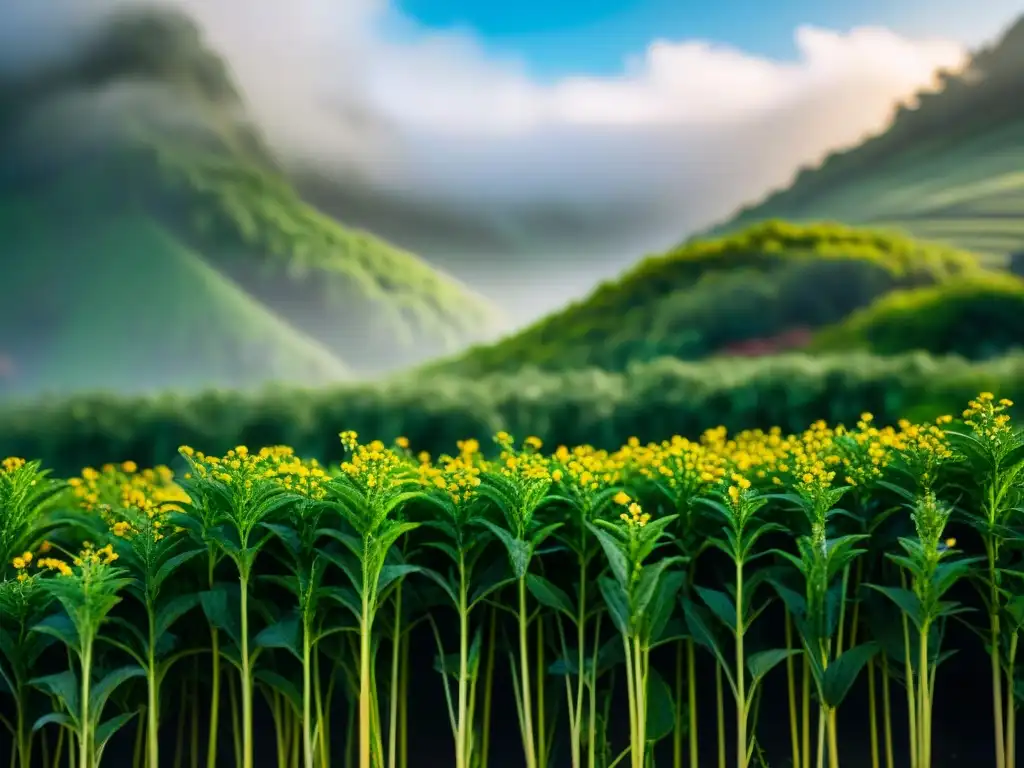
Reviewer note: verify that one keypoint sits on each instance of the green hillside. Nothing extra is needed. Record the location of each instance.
(136, 158)
(976, 318)
(704, 296)
(132, 308)
(949, 168)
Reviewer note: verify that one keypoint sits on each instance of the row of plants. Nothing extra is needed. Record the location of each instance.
(576, 407)
(311, 577)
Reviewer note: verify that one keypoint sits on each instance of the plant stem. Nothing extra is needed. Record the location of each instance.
(1011, 706)
(631, 694)
(581, 637)
(924, 726)
(909, 683)
(741, 691)
(85, 735)
(462, 729)
(243, 581)
(307, 694)
(403, 704)
(215, 675)
(691, 681)
(720, 708)
(677, 730)
(364, 680)
(805, 714)
(153, 704)
(887, 712)
(396, 659)
(524, 667)
(997, 688)
(592, 698)
(485, 738)
(542, 751)
(236, 736)
(872, 713)
(794, 735)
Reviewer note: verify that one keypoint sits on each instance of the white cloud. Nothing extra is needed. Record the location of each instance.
(623, 164)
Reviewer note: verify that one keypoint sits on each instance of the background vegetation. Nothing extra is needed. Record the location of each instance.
(702, 297)
(650, 401)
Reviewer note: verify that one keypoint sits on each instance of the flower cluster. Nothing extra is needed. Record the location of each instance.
(987, 417)
(243, 471)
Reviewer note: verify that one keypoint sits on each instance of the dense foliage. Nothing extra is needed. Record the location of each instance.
(587, 406)
(709, 293)
(975, 318)
(311, 578)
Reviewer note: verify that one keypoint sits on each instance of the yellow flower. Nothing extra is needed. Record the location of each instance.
(557, 475)
(18, 563)
(621, 498)
(129, 467)
(951, 542)
(402, 442)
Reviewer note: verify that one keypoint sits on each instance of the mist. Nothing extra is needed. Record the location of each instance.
(530, 191)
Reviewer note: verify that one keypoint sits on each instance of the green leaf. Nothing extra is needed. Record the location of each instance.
(720, 604)
(222, 607)
(841, 673)
(618, 604)
(106, 730)
(173, 610)
(616, 558)
(390, 573)
(64, 686)
(661, 709)
(906, 600)
(171, 565)
(702, 635)
(550, 595)
(762, 662)
(540, 536)
(282, 685)
(61, 627)
(110, 682)
(517, 549)
(663, 603)
(645, 588)
(55, 718)
(282, 634)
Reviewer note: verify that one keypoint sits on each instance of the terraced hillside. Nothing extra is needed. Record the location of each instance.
(949, 168)
(139, 208)
(772, 281)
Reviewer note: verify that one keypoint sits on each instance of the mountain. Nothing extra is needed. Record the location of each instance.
(154, 239)
(770, 286)
(950, 167)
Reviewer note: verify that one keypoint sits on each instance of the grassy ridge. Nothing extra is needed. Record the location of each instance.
(978, 317)
(651, 401)
(682, 303)
(949, 169)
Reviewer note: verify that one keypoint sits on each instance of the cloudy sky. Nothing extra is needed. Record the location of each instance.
(572, 136)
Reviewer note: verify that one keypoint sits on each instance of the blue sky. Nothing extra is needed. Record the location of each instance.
(559, 37)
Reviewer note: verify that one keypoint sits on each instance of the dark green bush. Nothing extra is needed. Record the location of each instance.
(651, 401)
(977, 318)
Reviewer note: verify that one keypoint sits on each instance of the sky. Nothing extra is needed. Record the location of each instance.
(596, 36)
(534, 148)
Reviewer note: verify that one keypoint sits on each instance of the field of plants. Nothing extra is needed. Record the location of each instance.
(261, 585)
